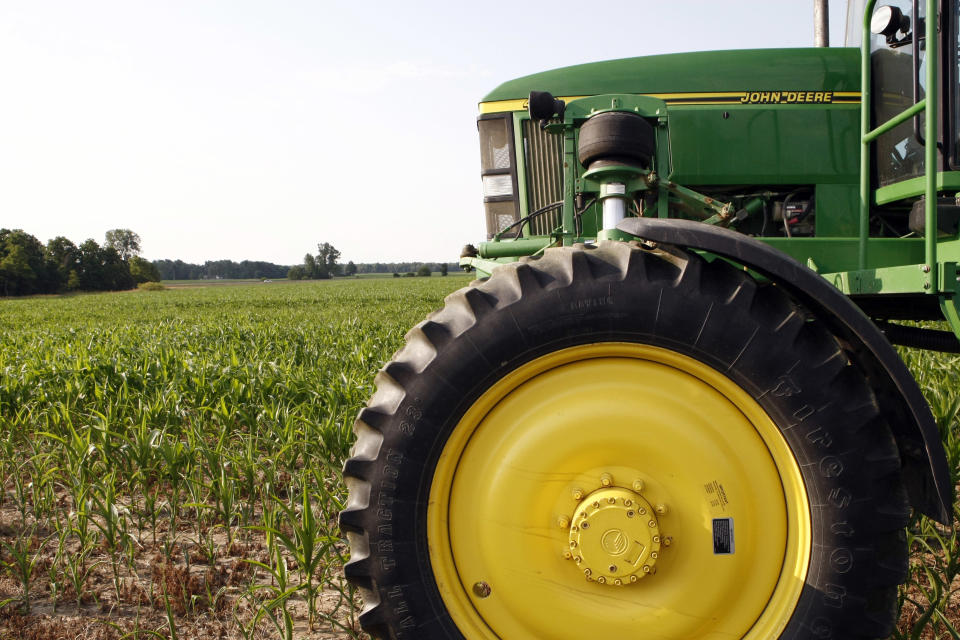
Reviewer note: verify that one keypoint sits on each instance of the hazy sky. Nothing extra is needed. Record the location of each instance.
(254, 130)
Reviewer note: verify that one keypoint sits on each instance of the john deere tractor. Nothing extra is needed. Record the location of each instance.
(671, 407)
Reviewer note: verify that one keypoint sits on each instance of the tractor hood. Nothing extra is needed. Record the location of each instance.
(766, 70)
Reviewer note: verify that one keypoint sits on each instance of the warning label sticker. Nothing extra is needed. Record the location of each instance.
(723, 536)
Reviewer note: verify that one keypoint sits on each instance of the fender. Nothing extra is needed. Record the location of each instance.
(925, 469)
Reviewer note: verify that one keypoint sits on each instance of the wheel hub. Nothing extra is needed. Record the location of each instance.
(615, 537)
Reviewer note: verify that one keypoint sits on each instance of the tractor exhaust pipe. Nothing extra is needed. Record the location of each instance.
(821, 23)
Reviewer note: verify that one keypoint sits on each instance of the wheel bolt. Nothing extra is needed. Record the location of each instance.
(627, 502)
(601, 580)
(667, 542)
(481, 589)
(646, 569)
(656, 539)
(661, 509)
(634, 578)
(638, 485)
(567, 555)
(606, 479)
(563, 522)
(618, 582)
(654, 555)
(611, 500)
(578, 494)
(652, 523)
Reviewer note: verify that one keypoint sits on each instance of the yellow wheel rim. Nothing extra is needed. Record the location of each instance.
(578, 434)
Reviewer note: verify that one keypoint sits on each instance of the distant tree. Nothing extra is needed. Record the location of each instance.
(124, 242)
(116, 271)
(63, 260)
(296, 273)
(23, 267)
(143, 270)
(396, 275)
(351, 269)
(443, 269)
(424, 271)
(409, 274)
(15, 272)
(328, 256)
(90, 273)
(310, 269)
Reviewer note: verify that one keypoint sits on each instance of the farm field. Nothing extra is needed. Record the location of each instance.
(170, 461)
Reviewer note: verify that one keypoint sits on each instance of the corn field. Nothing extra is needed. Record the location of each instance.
(170, 460)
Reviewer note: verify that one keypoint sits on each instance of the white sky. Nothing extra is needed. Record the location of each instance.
(253, 130)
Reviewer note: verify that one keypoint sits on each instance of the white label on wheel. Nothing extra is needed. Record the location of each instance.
(723, 536)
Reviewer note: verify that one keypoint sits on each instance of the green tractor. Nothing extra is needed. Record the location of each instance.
(671, 407)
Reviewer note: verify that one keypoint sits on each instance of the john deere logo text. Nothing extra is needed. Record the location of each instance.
(787, 97)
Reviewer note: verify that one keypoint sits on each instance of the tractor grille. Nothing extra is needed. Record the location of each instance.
(544, 163)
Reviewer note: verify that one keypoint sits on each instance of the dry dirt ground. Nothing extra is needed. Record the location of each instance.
(214, 591)
(209, 596)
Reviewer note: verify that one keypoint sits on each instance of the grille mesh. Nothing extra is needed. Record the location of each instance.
(544, 161)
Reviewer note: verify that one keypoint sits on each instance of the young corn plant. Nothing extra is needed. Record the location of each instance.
(24, 554)
(111, 520)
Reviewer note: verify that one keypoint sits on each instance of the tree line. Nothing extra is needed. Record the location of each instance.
(213, 269)
(29, 267)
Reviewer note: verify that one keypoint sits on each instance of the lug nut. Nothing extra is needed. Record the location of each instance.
(578, 494)
(563, 522)
(638, 485)
(618, 582)
(652, 523)
(634, 578)
(611, 500)
(567, 555)
(578, 560)
(602, 580)
(661, 509)
(656, 539)
(654, 555)
(642, 511)
(596, 504)
(646, 569)
(606, 479)
(667, 542)
(481, 589)
(627, 502)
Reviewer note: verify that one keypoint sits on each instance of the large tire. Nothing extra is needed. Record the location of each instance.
(607, 383)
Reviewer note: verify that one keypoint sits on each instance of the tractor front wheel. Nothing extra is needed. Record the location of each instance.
(620, 442)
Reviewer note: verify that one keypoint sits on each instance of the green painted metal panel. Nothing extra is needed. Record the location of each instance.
(906, 279)
(833, 255)
(839, 202)
(767, 144)
(834, 69)
(915, 187)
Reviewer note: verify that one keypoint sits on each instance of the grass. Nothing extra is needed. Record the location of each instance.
(170, 460)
